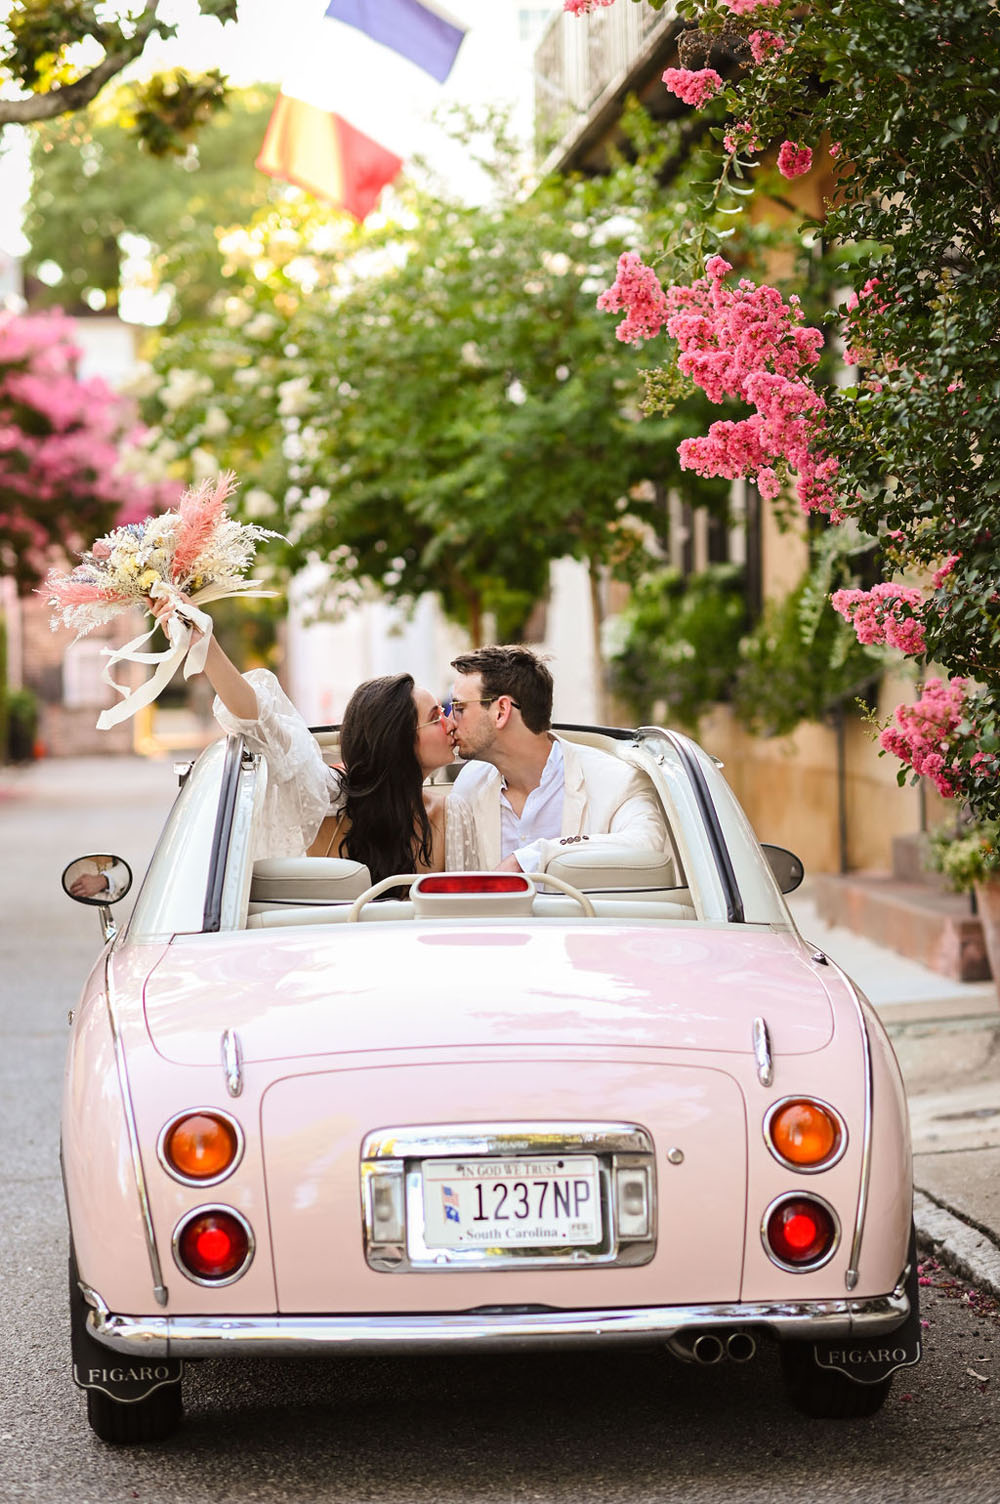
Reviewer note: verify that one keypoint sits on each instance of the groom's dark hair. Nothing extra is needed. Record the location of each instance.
(515, 671)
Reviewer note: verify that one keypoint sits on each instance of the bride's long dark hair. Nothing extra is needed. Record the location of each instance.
(383, 780)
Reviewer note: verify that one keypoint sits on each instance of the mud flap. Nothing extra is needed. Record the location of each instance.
(95, 1366)
(869, 1362)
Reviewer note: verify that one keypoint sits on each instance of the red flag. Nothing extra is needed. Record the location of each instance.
(320, 151)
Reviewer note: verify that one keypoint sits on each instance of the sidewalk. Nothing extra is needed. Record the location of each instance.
(947, 1037)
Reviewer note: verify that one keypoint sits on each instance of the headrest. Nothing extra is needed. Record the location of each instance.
(596, 864)
(307, 879)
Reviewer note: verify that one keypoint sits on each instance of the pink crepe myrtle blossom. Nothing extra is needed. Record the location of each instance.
(856, 353)
(932, 736)
(583, 7)
(740, 138)
(888, 613)
(765, 44)
(746, 7)
(695, 86)
(944, 570)
(748, 343)
(63, 442)
(768, 483)
(793, 159)
(636, 291)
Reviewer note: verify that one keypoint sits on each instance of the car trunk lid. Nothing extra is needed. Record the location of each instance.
(403, 986)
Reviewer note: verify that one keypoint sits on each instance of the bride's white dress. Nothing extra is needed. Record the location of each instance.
(301, 789)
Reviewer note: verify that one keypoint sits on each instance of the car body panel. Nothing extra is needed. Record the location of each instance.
(315, 1036)
(313, 992)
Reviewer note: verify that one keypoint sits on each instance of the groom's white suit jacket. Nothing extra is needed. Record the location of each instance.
(603, 797)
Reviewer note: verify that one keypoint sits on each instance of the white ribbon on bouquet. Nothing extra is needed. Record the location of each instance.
(184, 646)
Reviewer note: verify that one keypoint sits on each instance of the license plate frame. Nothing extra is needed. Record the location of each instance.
(535, 1206)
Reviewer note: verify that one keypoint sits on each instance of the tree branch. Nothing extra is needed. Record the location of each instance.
(76, 95)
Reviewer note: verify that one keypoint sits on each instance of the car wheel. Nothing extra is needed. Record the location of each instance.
(824, 1393)
(151, 1419)
(830, 1395)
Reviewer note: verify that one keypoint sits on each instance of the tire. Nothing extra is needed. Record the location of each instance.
(829, 1395)
(824, 1393)
(152, 1419)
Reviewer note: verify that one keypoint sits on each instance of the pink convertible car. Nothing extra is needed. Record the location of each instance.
(639, 1109)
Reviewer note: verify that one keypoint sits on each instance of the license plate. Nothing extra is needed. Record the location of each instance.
(470, 1203)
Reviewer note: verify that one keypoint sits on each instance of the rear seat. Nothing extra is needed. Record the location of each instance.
(600, 867)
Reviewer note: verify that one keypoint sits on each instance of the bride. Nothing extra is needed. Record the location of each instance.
(375, 809)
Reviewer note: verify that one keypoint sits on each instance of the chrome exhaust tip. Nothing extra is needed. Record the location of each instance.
(707, 1349)
(740, 1346)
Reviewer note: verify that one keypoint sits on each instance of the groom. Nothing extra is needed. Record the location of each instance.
(529, 793)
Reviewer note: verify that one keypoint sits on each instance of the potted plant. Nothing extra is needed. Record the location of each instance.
(967, 852)
(22, 724)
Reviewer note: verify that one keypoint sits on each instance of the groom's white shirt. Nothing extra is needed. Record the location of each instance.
(603, 799)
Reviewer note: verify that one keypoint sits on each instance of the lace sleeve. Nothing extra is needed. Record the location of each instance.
(301, 789)
(461, 845)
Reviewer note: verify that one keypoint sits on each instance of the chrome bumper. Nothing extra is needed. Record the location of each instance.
(305, 1336)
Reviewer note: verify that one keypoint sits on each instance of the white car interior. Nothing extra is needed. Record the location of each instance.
(621, 882)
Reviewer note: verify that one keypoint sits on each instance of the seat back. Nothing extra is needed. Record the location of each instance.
(600, 867)
(301, 880)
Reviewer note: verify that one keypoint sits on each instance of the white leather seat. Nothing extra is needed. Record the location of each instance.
(307, 879)
(598, 867)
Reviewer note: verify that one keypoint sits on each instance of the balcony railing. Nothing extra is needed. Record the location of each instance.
(582, 58)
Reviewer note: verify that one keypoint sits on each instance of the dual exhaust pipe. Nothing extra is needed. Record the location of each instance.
(708, 1348)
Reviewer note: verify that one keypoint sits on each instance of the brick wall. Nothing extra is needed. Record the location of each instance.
(66, 678)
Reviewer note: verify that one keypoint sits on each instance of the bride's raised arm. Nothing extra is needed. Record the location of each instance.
(235, 692)
(301, 789)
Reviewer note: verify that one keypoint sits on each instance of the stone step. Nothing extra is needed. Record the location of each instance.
(934, 927)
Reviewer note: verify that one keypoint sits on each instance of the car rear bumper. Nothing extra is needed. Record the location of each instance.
(510, 1328)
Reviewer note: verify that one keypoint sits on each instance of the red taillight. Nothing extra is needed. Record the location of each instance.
(213, 1245)
(476, 882)
(800, 1232)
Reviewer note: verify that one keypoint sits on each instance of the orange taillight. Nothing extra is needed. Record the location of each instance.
(805, 1133)
(201, 1146)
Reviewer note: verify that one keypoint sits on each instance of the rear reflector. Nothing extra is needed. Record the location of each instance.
(476, 882)
(213, 1246)
(800, 1232)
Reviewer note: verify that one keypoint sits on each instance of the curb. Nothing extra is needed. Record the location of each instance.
(965, 1250)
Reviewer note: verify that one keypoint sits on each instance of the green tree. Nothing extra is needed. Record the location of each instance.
(908, 99)
(93, 195)
(59, 54)
(436, 399)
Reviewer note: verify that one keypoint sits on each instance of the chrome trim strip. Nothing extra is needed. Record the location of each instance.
(159, 1288)
(762, 1052)
(229, 788)
(840, 1148)
(300, 1336)
(457, 1140)
(851, 1274)
(209, 1112)
(232, 1062)
(815, 1264)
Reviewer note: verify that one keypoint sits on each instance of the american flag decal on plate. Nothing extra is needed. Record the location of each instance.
(449, 1200)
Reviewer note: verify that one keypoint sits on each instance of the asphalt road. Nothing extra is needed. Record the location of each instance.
(580, 1428)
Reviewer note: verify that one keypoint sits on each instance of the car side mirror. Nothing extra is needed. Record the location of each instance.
(97, 880)
(788, 870)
